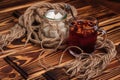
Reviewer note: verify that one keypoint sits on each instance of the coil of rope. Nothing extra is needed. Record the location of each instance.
(87, 66)
(35, 32)
(34, 14)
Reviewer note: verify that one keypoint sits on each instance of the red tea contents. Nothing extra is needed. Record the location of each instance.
(83, 35)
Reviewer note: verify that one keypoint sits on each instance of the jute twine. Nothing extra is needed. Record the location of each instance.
(32, 21)
(35, 33)
(15, 33)
(84, 66)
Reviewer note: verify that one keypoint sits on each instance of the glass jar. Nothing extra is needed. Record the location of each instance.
(55, 25)
(55, 22)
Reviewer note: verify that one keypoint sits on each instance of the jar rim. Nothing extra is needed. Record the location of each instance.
(86, 18)
(64, 14)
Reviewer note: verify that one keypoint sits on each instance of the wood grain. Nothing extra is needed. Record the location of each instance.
(27, 57)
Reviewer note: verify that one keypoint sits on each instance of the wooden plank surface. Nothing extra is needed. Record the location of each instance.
(27, 57)
(111, 4)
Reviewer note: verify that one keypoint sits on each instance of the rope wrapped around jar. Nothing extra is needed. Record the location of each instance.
(31, 25)
(37, 26)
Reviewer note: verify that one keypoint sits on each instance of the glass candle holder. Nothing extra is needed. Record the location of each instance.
(83, 33)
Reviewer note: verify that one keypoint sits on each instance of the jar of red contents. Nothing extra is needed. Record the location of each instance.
(83, 33)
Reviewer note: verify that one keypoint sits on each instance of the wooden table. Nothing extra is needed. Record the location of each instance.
(27, 57)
